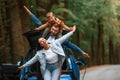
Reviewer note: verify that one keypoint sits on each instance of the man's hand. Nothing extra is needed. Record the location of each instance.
(27, 10)
(86, 55)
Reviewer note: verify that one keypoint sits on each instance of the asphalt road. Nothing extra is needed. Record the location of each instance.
(111, 72)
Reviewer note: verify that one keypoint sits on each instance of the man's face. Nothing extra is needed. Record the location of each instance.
(54, 31)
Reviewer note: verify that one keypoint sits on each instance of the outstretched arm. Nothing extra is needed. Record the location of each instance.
(30, 62)
(65, 26)
(42, 26)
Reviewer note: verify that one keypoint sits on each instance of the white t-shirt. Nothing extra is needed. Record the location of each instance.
(50, 56)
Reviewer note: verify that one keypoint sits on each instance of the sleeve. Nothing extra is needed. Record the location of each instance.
(72, 46)
(35, 20)
(64, 37)
(31, 61)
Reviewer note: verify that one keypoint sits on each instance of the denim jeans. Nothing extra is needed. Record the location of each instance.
(52, 72)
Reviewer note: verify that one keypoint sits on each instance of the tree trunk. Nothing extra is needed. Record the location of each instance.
(77, 38)
(93, 60)
(16, 31)
(110, 51)
(100, 49)
(3, 44)
(116, 54)
(25, 21)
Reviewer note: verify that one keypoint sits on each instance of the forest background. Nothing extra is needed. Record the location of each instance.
(97, 21)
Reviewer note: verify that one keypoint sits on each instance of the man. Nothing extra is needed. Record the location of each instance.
(54, 32)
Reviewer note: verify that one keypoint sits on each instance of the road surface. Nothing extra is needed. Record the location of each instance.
(109, 72)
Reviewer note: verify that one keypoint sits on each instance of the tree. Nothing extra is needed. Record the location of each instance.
(17, 47)
(3, 54)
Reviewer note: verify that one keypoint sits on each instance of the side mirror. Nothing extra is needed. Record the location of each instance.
(81, 61)
(19, 63)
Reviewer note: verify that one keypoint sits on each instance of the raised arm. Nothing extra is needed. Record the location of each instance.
(66, 36)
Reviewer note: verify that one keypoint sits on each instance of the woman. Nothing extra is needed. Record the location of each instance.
(50, 57)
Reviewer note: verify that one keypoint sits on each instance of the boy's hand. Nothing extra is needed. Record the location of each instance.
(36, 29)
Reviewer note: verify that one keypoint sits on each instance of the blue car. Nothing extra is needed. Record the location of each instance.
(70, 69)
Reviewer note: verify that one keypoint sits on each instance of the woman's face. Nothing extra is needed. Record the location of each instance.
(42, 42)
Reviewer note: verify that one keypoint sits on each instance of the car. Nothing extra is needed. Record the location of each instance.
(9, 71)
(70, 69)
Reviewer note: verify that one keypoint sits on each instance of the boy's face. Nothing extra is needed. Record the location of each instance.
(51, 17)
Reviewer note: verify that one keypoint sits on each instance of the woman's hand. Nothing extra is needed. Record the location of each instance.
(74, 28)
(21, 67)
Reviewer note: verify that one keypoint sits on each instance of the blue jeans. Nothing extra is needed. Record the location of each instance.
(52, 71)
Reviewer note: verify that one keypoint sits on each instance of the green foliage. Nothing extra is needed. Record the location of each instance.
(88, 13)
(62, 10)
